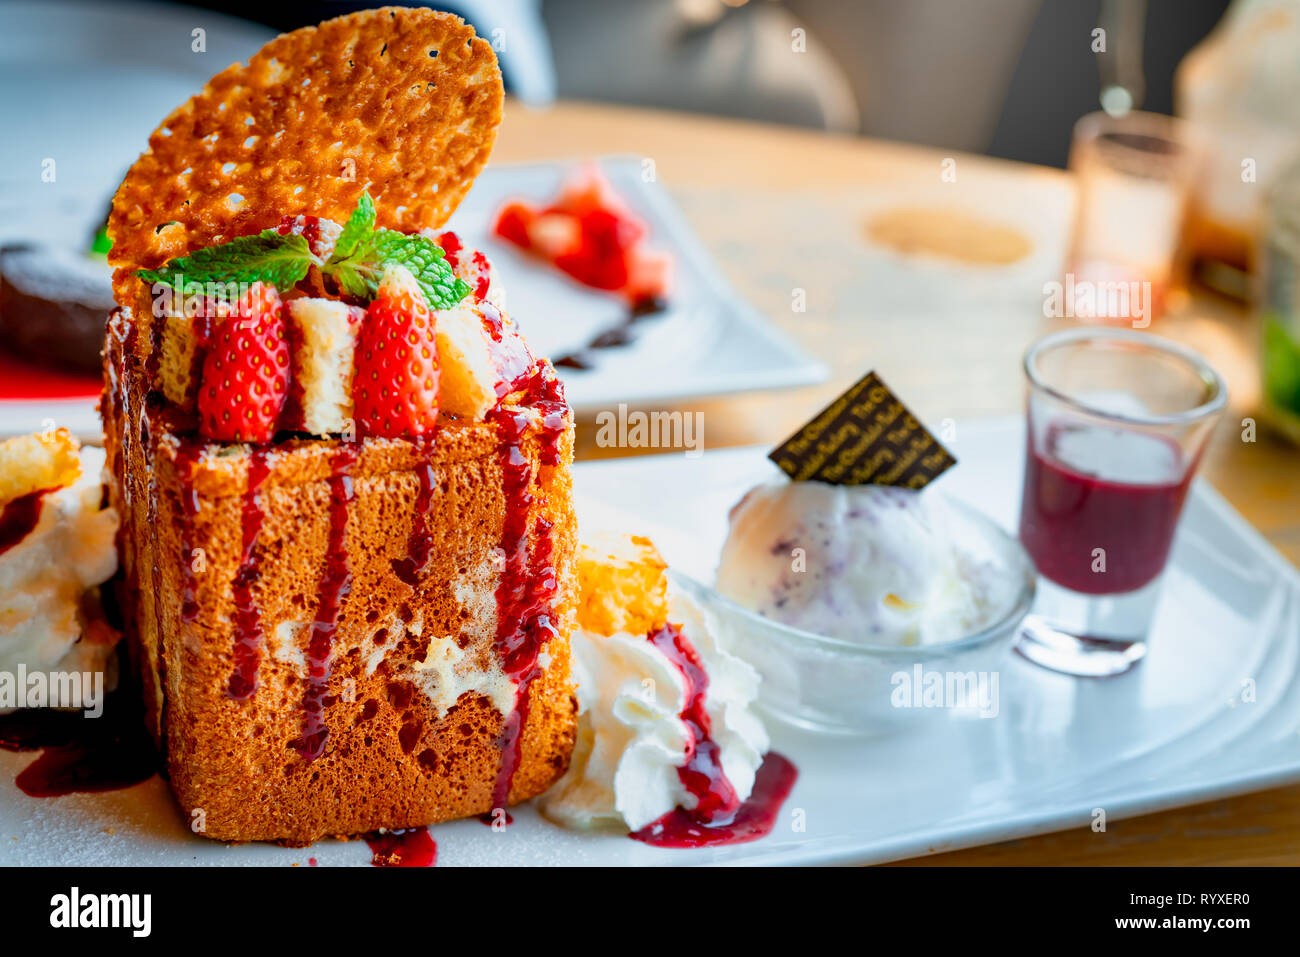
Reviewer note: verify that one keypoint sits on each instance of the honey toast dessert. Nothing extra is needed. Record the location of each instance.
(348, 535)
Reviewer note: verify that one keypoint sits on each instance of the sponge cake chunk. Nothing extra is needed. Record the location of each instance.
(325, 335)
(623, 582)
(30, 463)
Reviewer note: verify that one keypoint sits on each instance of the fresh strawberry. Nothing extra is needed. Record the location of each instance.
(246, 371)
(395, 389)
(512, 223)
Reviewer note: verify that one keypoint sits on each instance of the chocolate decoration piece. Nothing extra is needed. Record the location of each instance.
(865, 437)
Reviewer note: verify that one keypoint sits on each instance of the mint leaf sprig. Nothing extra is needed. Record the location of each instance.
(359, 225)
(268, 257)
(359, 274)
(357, 264)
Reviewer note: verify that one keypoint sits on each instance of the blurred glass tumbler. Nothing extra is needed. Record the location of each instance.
(1134, 175)
(1116, 423)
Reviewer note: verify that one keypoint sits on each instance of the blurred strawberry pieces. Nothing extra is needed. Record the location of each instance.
(590, 234)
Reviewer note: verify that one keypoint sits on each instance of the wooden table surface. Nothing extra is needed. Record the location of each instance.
(784, 210)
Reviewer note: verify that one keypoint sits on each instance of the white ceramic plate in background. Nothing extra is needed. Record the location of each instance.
(84, 86)
(708, 342)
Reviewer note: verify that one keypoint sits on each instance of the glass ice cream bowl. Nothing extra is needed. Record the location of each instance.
(832, 685)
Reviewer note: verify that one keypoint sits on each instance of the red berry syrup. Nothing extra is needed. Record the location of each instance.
(409, 847)
(335, 586)
(1092, 488)
(248, 618)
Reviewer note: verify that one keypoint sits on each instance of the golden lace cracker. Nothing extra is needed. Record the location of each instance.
(403, 103)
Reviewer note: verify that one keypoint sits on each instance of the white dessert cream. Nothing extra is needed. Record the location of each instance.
(868, 564)
(635, 732)
(50, 617)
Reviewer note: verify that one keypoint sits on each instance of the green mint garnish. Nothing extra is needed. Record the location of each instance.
(279, 261)
(359, 225)
(359, 274)
(357, 263)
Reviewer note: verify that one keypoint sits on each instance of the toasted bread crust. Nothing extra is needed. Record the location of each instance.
(393, 758)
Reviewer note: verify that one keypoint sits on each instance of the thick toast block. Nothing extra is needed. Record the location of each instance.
(322, 656)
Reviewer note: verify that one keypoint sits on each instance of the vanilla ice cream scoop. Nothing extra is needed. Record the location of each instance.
(869, 564)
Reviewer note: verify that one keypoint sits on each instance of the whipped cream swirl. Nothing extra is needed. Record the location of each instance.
(632, 738)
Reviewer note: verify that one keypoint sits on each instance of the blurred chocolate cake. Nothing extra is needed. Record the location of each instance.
(53, 305)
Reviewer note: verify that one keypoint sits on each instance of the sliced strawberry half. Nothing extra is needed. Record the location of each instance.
(245, 376)
(395, 388)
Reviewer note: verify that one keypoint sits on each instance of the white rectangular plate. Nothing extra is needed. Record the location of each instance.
(1174, 731)
(709, 341)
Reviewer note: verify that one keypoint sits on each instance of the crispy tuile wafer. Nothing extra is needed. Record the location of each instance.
(401, 102)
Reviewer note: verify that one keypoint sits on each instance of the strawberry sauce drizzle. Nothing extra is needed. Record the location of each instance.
(719, 817)
(309, 227)
(753, 819)
(493, 321)
(80, 754)
(702, 774)
(204, 325)
(187, 457)
(484, 281)
(408, 847)
(420, 547)
(526, 591)
(248, 618)
(19, 517)
(335, 586)
(515, 366)
(451, 247)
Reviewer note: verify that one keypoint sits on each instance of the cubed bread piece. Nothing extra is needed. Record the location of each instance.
(324, 334)
(623, 585)
(186, 328)
(177, 364)
(30, 463)
(478, 367)
(467, 374)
